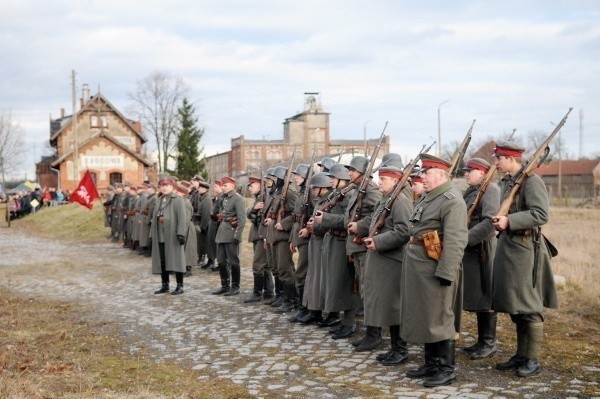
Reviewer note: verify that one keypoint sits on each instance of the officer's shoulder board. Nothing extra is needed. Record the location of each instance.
(450, 195)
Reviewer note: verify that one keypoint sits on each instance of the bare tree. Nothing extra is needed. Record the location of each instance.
(156, 100)
(12, 146)
(535, 138)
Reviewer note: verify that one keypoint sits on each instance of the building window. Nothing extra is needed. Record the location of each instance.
(98, 121)
(115, 177)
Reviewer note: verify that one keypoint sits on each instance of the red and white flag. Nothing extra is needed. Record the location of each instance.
(86, 192)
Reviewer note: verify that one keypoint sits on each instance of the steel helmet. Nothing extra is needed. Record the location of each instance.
(301, 169)
(339, 171)
(269, 174)
(392, 159)
(280, 172)
(359, 163)
(326, 163)
(320, 180)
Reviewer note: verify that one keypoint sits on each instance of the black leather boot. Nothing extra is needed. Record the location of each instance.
(475, 347)
(301, 310)
(445, 374)
(332, 319)
(258, 288)
(487, 336)
(163, 289)
(430, 367)
(188, 271)
(312, 317)
(277, 297)
(235, 281)
(289, 292)
(224, 281)
(207, 264)
(345, 331)
(372, 340)
(399, 352)
(178, 290)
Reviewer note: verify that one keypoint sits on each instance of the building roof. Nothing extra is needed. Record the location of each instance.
(110, 138)
(583, 167)
(57, 125)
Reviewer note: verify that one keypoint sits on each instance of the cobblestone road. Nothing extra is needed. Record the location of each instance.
(248, 344)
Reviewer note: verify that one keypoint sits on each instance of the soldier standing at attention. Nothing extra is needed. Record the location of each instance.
(202, 218)
(479, 257)
(297, 243)
(383, 265)
(355, 248)
(116, 213)
(320, 186)
(167, 234)
(338, 278)
(229, 235)
(431, 272)
(259, 260)
(211, 249)
(523, 284)
(146, 219)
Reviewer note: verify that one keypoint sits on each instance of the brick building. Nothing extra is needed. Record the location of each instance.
(576, 178)
(102, 141)
(303, 132)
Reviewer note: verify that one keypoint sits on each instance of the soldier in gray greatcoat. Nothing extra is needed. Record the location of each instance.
(115, 224)
(354, 246)
(340, 292)
(320, 186)
(148, 203)
(523, 284)
(431, 272)
(190, 247)
(273, 286)
(229, 236)
(479, 257)
(383, 266)
(167, 234)
(211, 245)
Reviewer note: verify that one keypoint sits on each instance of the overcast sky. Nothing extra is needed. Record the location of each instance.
(509, 64)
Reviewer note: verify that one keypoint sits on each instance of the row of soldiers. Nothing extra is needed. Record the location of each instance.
(406, 251)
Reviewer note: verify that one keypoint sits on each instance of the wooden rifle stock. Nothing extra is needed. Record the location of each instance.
(306, 198)
(485, 183)
(284, 190)
(460, 153)
(534, 162)
(335, 197)
(387, 208)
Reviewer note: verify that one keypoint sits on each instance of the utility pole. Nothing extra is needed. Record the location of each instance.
(439, 146)
(74, 127)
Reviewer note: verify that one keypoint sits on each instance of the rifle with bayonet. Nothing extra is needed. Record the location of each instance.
(538, 157)
(460, 153)
(364, 183)
(304, 216)
(387, 207)
(485, 183)
(285, 189)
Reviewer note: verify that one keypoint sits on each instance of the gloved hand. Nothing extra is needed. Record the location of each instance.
(444, 282)
(181, 239)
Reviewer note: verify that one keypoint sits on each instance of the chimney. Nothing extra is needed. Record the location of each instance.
(85, 88)
(62, 112)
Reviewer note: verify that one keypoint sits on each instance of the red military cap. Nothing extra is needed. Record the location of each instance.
(508, 149)
(390, 171)
(253, 180)
(228, 179)
(429, 161)
(477, 163)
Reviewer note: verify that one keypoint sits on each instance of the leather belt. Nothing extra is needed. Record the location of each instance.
(339, 233)
(416, 241)
(521, 233)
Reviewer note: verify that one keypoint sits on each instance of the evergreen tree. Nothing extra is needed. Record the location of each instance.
(189, 153)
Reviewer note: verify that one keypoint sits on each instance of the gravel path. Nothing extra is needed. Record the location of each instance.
(248, 344)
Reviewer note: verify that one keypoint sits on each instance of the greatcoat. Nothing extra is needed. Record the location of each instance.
(481, 247)
(519, 286)
(428, 309)
(383, 267)
(191, 249)
(337, 273)
(172, 209)
(313, 297)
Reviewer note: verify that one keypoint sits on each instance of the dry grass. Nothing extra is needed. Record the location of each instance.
(47, 352)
